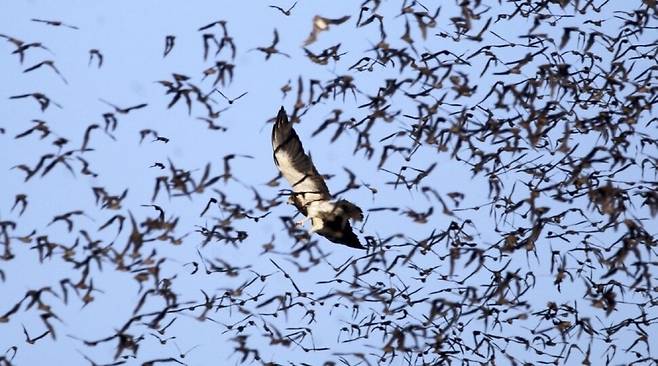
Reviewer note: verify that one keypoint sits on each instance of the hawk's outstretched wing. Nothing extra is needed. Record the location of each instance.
(310, 193)
(297, 167)
(341, 232)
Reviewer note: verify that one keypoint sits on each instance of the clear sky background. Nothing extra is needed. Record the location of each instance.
(131, 36)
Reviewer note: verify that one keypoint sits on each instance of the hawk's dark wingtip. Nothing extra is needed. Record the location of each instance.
(282, 113)
(356, 245)
(347, 238)
(352, 241)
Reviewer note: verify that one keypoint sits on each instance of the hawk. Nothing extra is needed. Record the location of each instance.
(310, 194)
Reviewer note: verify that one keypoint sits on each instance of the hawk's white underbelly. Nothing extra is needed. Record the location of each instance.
(317, 210)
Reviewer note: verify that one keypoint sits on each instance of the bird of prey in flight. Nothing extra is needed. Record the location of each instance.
(310, 194)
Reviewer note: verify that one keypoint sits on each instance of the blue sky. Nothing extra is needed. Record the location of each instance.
(131, 36)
